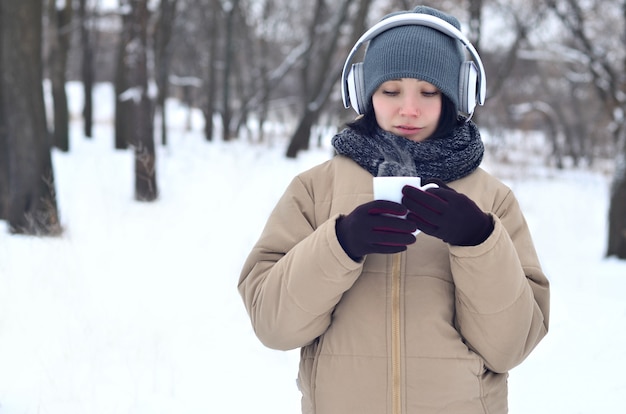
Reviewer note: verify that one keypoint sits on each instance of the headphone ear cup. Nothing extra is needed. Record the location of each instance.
(356, 88)
(468, 81)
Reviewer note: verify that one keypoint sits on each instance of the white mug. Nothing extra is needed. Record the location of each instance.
(390, 188)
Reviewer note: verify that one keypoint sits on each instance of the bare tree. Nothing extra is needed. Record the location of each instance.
(163, 57)
(594, 38)
(316, 81)
(4, 149)
(522, 18)
(31, 206)
(211, 72)
(264, 74)
(142, 120)
(123, 105)
(271, 68)
(87, 65)
(59, 31)
(196, 60)
(231, 9)
(617, 206)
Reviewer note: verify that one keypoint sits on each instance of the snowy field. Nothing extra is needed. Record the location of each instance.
(135, 308)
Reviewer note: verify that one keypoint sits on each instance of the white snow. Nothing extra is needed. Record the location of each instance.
(135, 308)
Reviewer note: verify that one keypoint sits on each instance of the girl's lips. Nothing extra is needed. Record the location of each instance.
(409, 132)
(408, 129)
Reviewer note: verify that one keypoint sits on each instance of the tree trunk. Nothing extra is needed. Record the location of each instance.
(87, 70)
(31, 203)
(209, 107)
(607, 80)
(142, 122)
(617, 219)
(617, 207)
(123, 105)
(229, 50)
(322, 83)
(163, 56)
(4, 149)
(264, 76)
(617, 202)
(300, 139)
(59, 44)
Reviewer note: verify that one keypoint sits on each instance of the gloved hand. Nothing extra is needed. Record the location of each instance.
(448, 215)
(375, 227)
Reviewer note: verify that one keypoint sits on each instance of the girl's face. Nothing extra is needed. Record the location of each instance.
(408, 107)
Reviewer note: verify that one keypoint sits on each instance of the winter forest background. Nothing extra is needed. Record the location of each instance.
(553, 66)
(143, 143)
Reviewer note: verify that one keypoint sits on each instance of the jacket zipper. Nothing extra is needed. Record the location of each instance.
(395, 335)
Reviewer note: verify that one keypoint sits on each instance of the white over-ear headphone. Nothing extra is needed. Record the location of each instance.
(472, 84)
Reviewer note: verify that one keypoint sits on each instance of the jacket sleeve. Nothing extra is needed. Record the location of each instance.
(502, 294)
(296, 273)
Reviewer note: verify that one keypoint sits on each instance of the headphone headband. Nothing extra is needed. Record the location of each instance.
(419, 19)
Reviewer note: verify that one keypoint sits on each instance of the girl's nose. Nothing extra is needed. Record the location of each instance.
(410, 107)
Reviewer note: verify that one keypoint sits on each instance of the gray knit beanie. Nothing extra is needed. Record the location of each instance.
(414, 51)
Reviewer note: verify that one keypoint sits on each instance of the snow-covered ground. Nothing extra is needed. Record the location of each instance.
(135, 308)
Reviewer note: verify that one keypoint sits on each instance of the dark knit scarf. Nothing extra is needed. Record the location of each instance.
(447, 157)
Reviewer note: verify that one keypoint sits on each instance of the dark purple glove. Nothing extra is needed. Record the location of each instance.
(375, 227)
(448, 215)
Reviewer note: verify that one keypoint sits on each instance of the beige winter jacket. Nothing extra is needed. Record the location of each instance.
(432, 330)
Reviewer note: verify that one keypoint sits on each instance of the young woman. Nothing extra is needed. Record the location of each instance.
(389, 321)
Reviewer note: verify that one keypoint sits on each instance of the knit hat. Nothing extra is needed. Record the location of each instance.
(415, 51)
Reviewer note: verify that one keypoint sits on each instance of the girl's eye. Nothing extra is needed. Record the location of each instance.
(430, 94)
(390, 92)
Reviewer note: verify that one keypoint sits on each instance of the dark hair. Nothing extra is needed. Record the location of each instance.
(367, 125)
